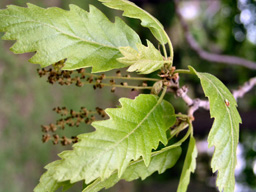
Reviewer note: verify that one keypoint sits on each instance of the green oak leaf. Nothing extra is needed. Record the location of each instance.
(131, 133)
(146, 60)
(48, 183)
(85, 39)
(224, 134)
(160, 161)
(189, 165)
(133, 11)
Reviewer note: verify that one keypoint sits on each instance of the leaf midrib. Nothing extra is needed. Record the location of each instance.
(129, 134)
(142, 121)
(62, 32)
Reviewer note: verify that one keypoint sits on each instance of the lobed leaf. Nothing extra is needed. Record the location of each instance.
(224, 134)
(189, 165)
(146, 60)
(48, 183)
(131, 132)
(133, 11)
(161, 160)
(85, 39)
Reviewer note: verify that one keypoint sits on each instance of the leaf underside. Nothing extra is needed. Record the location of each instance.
(189, 165)
(146, 60)
(160, 161)
(85, 39)
(224, 134)
(133, 11)
(131, 132)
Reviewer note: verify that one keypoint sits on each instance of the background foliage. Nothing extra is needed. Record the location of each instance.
(26, 100)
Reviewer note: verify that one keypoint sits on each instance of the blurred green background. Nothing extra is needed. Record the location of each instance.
(26, 101)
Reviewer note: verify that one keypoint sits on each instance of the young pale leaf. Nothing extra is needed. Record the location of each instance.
(160, 161)
(157, 87)
(189, 165)
(133, 11)
(131, 132)
(224, 134)
(85, 39)
(146, 60)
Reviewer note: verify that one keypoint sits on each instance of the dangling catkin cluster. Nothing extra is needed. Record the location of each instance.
(70, 118)
(80, 78)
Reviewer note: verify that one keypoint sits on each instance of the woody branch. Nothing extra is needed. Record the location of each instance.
(195, 104)
(247, 86)
(212, 57)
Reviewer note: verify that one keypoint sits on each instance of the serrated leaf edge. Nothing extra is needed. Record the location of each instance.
(98, 181)
(233, 140)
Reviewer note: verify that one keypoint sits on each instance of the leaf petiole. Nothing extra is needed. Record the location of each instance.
(177, 130)
(184, 71)
(189, 132)
(171, 50)
(162, 95)
(165, 52)
(182, 116)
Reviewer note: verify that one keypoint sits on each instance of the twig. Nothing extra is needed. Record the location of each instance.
(195, 104)
(218, 58)
(247, 86)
